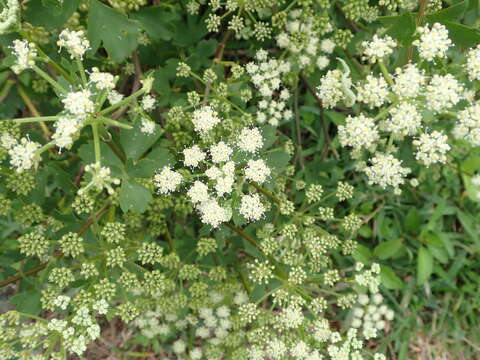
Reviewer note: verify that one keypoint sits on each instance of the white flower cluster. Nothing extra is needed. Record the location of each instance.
(404, 104)
(371, 316)
(79, 103)
(102, 80)
(266, 75)
(432, 148)
(101, 179)
(301, 39)
(216, 172)
(373, 92)
(473, 63)
(433, 42)
(335, 87)
(23, 153)
(75, 42)
(25, 54)
(358, 132)
(65, 131)
(378, 48)
(468, 126)
(386, 171)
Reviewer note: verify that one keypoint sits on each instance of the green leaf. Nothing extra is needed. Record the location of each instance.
(148, 166)
(403, 29)
(87, 154)
(134, 196)
(278, 160)
(453, 12)
(388, 249)
(413, 221)
(27, 302)
(462, 35)
(135, 142)
(424, 265)
(362, 254)
(389, 279)
(157, 21)
(48, 15)
(118, 34)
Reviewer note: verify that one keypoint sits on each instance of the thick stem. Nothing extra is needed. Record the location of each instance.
(265, 192)
(96, 143)
(112, 122)
(81, 70)
(35, 119)
(135, 95)
(385, 73)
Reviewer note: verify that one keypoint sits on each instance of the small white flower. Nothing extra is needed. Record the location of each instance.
(251, 207)
(114, 97)
(443, 92)
(102, 80)
(198, 192)
(65, 130)
(386, 171)
(167, 180)
(78, 103)
(257, 170)
(378, 48)
(433, 42)
(250, 140)
(432, 148)
(205, 119)
(373, 92)
(473, 63)
(358, 132)
(404, 120)
(101, 179)
(148, 103)
(25, 53)
(23, 155)
(148, 126)
(408, 81)
(75, 42)
(212, 213)
(220, 152)
(193, 156)
(327, 46)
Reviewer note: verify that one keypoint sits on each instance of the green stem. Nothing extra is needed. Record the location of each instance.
(135, 95)
(112, 122)
(243, 234)
(385, 73)
(35, 119)
(49, 79)
(265, 192)
(81, 70)
(46, 147)
(96, 143)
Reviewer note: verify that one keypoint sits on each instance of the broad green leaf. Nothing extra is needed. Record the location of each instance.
(27, 302)
(388, 249)
(50, 16)
(453, 12)
(118, 34)
(424, 265)
(362, 254)
(469, 224)
(403, 29)
(278, 159)
(413, 221)
(462, 35)
(389, 279)
(134, 196)
(157, 21)
(87, 154)
(135, 142)
(269, 134)
(148, 166)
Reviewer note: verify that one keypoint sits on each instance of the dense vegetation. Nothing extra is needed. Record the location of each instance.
(239, 179)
